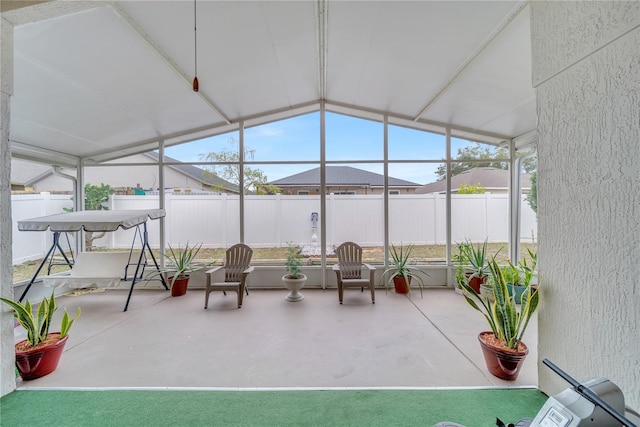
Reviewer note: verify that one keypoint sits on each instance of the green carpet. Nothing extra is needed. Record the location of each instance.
(473, 408)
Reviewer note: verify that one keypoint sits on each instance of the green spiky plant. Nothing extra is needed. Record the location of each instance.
(507, 321)
(400, 258)
(181, 262)
(37, 324)
(476, 256)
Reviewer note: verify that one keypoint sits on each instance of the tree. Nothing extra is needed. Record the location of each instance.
(254, 179)
(472, 189)
(481, 156)
(95, 198)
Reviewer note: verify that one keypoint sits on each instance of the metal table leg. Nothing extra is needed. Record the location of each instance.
(51, 253)
(145, 246)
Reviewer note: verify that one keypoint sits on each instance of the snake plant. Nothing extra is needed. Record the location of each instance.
(507, 321)
(37, 324)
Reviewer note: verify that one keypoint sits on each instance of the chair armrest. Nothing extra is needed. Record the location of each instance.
(248, 270)
(213, 270)
(336, 267)
(369, 267)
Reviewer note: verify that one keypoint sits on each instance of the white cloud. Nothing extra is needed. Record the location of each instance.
(270, 131)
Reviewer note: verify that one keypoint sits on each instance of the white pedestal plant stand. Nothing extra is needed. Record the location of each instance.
(294, 286)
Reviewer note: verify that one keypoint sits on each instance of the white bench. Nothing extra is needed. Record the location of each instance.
(92, 270)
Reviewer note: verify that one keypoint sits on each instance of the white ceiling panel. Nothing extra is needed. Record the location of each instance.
(495, 89)
(107, 76)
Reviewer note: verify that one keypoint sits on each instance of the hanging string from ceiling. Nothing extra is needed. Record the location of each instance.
(195, 47)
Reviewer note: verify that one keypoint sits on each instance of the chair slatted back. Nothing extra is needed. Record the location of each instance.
(350, 260)
(238, 259)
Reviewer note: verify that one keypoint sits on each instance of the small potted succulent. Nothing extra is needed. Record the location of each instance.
(400, 273)
(294, 280)
(40, 353)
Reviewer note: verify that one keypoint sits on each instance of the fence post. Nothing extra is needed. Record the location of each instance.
(436, 219)
(279, 222)
(487, 195)
(224, 208)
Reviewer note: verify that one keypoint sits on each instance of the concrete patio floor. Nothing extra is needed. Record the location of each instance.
(165, 342)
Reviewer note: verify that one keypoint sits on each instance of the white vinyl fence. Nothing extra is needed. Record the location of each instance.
(272, 221)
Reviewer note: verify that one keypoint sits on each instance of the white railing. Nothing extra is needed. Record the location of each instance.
(272, 221)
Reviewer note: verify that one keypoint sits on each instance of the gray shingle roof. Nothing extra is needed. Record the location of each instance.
(197, 173)
(342, 175)
(489, 178)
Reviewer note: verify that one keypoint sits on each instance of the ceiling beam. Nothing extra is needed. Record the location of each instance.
(322, 18)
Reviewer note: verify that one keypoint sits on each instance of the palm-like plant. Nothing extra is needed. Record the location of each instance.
(400, 258)
(507, 322)
(37, 324)
(476, 256)
(181, 262)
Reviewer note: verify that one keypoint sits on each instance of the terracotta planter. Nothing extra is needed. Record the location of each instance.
(401, 285)
(38, 362)
(476, 281)
(502, 363)
(179, 287)
(294, 286)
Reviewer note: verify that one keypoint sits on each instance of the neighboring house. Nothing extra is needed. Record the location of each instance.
(23, 174)
(493, 180)
(342, 180)
(125, 179)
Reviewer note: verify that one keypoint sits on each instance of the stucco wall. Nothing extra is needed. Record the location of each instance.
(7, 353)
(586, 71)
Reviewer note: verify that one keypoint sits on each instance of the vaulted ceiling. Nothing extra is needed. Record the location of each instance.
(98, 80)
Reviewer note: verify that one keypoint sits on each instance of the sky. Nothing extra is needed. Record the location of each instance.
(351, 141)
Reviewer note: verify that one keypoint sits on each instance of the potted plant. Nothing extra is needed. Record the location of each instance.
(528, 272)
(181, 263)
(461, 261)
(514, 281)
(294, 280)
(502, 347)
(476, 256)
(400, 274)
(40, 353)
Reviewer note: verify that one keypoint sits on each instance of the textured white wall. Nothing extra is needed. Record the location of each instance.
(586, 71)
(7, 353)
